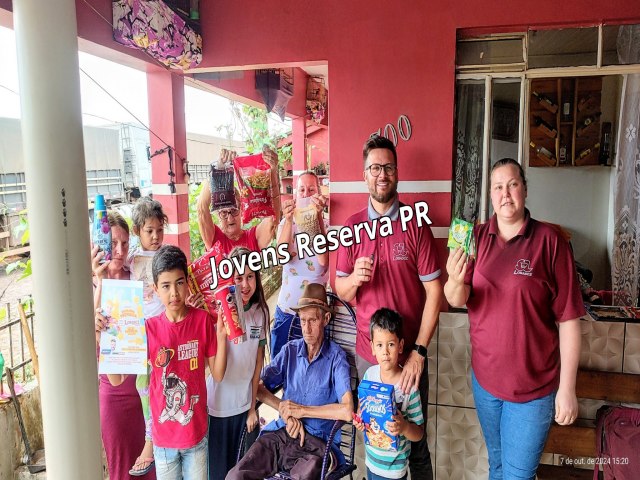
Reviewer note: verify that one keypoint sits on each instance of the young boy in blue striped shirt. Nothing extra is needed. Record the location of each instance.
(386, 345)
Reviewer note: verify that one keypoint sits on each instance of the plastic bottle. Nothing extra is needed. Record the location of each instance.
(101, 234)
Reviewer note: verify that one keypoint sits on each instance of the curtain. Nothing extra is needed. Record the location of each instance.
(468, 159)
(626, 242)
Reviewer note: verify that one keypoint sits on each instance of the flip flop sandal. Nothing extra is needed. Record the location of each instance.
(144, 471)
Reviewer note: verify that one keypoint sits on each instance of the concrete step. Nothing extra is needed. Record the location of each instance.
(22, 473)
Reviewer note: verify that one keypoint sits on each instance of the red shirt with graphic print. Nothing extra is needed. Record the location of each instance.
(401, 262)
(177, 390)
(519, 290)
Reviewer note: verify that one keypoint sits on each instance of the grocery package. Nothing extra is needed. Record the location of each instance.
(253, 176)
(228, 299)
(201, 277)
(305, 216)
(461, 235)
(221, 185)
(377, 407)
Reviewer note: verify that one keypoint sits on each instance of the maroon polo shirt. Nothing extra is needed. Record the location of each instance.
(519, 290)
(402, 261)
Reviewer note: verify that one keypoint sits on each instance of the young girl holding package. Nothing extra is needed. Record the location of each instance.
(148, 224)
(232, 401)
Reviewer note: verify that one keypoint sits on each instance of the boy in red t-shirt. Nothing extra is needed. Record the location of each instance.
(180, 340)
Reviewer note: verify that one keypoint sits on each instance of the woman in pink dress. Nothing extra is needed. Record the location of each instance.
(121, 418)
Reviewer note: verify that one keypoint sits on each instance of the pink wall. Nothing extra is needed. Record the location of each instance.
(385, 59)
(318, 142)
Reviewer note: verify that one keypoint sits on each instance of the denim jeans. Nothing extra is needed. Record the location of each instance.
(420, 466)
(515, 433)
(280, 330)
(373, 476)
(178, 464)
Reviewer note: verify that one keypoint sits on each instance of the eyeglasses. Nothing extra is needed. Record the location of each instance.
(224, 214)
(375, 169)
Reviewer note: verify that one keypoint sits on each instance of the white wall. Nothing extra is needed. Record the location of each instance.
(578, 199)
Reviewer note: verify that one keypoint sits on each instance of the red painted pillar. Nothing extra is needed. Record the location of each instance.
(299, 147)
(165, 92)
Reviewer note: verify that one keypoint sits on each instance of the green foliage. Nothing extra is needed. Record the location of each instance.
(23, 266)
(197, 244)
(285, 155)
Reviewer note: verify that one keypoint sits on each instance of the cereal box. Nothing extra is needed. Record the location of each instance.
(377, 407)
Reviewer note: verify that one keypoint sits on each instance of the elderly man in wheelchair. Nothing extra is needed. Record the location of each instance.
(314, 373)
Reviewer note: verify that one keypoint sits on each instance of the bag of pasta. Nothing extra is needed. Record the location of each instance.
(253, 176)
(306, 217)
(221, 179)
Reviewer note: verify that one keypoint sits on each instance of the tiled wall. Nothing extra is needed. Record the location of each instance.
(455, 439)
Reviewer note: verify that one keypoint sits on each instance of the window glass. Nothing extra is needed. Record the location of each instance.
(569, 47)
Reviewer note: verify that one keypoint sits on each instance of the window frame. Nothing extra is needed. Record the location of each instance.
(488, 73)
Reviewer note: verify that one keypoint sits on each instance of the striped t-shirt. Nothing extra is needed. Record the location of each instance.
(389, 463)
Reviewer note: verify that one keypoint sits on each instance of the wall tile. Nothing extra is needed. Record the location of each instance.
(460, 450)
(632, 349)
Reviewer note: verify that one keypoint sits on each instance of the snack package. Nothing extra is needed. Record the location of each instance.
(222, 191)
(228, 298)
(461, 235)
(253, 176)
(305, 216)
(201, 277)
(377, 407)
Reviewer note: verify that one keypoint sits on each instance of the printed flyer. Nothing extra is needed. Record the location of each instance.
(123, 344)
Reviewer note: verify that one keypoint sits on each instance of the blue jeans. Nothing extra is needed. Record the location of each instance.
(515, 433)
(373, 476)
(280, 330)
(179, 464)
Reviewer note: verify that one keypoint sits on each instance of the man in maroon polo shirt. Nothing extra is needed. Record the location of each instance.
(401, 272)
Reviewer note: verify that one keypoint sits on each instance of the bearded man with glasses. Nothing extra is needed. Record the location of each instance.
(400, 272)
(229, 234)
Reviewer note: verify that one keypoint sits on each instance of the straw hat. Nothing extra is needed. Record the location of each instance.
(313, 295)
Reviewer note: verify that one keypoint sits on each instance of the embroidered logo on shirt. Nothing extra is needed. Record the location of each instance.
(400, 251)
(254, 332)
(523, 267)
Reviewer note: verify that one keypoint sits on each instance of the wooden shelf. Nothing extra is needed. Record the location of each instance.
(583, 91)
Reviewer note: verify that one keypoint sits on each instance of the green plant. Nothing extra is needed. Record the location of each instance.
(20, 265)
(285, 156)
(197, 244)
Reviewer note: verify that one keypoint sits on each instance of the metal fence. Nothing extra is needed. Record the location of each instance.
(13, 344)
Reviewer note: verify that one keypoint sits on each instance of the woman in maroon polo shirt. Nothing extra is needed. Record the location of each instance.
(524, 305)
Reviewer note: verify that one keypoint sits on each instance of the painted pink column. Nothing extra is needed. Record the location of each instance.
(165, 92)
(299, 147)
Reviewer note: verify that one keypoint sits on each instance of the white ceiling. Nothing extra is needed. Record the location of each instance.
(318, 71)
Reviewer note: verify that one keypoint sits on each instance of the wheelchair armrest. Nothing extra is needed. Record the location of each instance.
(337, 425)
(243, 436)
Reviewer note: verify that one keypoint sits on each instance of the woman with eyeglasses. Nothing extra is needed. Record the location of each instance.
(229, 233)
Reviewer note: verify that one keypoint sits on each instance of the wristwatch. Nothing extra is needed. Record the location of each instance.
(422, 351)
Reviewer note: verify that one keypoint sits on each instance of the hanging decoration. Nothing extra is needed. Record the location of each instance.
(152, 26)
(316, 99)
(276, 87)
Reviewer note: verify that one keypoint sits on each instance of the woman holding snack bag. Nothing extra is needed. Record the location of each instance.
(301, 215)
(524, 305)
(230, 233)
(231, 402)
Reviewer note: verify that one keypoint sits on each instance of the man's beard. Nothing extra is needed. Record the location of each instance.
(386, 197)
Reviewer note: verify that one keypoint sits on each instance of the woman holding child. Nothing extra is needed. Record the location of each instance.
(524, 306)
(121, 419)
